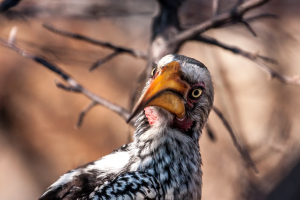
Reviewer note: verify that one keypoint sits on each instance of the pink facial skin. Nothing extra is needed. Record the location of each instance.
(152, 117)
(182, 124)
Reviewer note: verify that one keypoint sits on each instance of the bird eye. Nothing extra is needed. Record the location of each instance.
(153, 71)
(195, 93)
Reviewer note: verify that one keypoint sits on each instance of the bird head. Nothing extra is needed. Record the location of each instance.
(179, 94)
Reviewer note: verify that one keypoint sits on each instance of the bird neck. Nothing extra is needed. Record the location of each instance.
(173, 158)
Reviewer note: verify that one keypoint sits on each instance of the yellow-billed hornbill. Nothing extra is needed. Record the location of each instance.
(163, 161)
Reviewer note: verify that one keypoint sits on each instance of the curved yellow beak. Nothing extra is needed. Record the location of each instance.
(167, 91)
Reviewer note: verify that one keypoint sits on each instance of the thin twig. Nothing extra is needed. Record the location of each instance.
(241, 149)
(83, 113)
(135, 53)
(74, 86)
(233, 49)
(261, 16)
(235, 20)
(104, 60)
(210, 133)
(250, 29)
(216, 21)
(254, 57)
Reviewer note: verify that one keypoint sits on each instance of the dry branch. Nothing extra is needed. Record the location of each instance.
(73, 86)
(7, 4)
(249, 28)
(242, 150)
(83, 113)
(261, 16)
(218, 20)
(117, 49)
(104, 60)
(210, 133)
(254, 57)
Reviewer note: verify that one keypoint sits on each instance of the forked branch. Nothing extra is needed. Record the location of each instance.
(216, 21)
(117, 49)
(73, 86)
(242, 150)
(258, 59)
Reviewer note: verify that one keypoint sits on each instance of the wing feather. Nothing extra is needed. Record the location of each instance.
(131, 185)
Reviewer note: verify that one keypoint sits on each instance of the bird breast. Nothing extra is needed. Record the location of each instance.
(174, 159)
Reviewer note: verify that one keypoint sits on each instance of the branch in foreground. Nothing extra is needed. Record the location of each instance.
(117, 49)
(7, 4)
(218, 20)
(254, 57)
(242, 150)
(73, 85)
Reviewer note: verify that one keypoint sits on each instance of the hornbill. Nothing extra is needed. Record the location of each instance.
(163, 161)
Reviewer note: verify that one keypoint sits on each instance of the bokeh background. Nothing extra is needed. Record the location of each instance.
(38, 141)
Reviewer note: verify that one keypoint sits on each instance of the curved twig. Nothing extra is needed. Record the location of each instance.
(254, 57)
(74, 86)
(220, 19)
(135, 53)
(241, 149)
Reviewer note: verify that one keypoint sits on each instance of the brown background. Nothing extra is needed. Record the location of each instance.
(38, 141)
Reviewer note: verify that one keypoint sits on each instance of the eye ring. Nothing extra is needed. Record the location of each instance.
(196, 93)
(153, 71)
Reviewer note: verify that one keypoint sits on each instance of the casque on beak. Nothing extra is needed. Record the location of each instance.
(167, 91)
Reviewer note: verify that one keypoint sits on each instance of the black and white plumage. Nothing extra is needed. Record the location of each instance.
(163, 161)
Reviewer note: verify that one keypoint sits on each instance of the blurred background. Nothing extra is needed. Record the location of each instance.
(38, 141)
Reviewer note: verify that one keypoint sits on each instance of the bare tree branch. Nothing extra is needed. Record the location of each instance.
(254, 57)
(250, 29)
(7, 4)
(241, 149)
(135, 53)
(235, 20)
(210, 133)
(233, 49)
(74, 86)
(104, 60)
(83, 113)
(216, 21)
(261, 16)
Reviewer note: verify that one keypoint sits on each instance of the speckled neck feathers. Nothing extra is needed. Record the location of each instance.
(172, 157)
